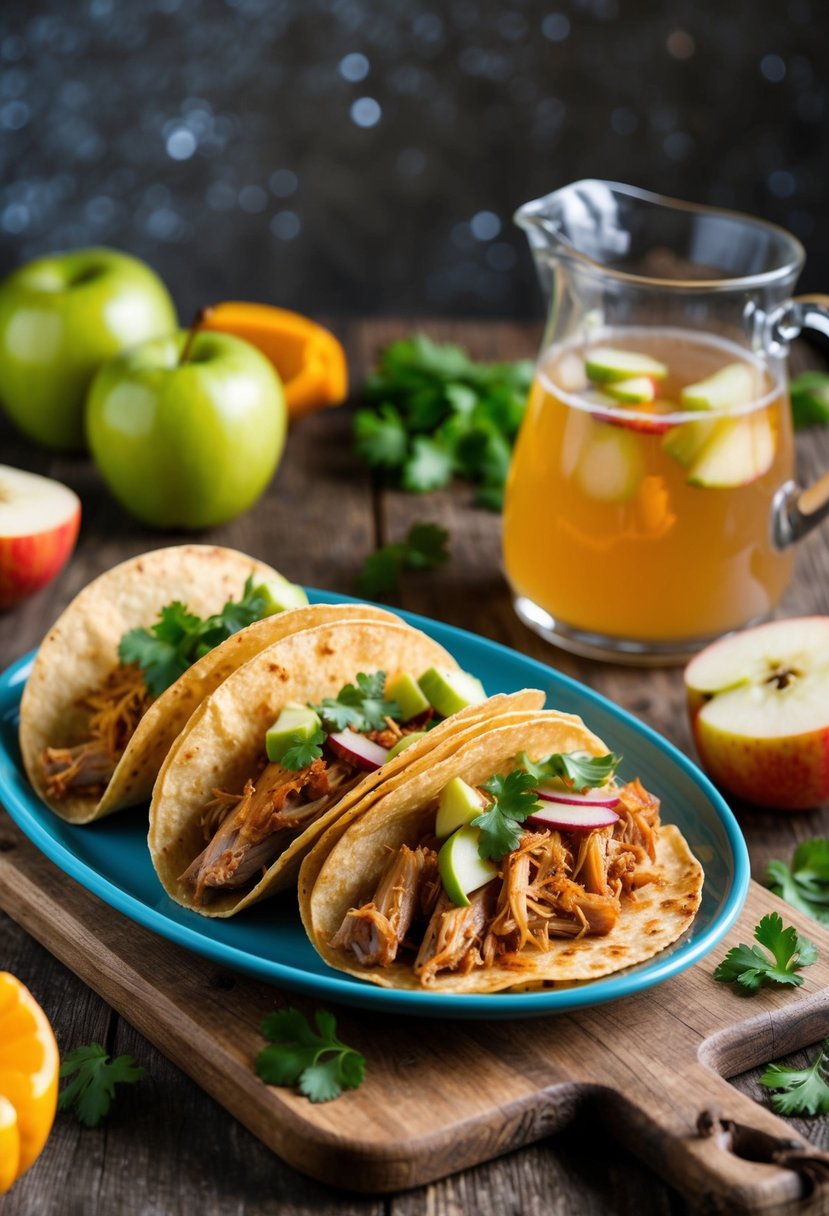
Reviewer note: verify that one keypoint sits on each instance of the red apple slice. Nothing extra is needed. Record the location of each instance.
(572, 818)
(605, 797)
(39, 521)
(759, 708)
(636, 391)
(646, 416)
(357, 749)
(733, 385)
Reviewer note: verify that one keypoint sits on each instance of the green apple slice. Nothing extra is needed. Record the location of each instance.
(405, 690)
(458, 805)
(739, 451)
(451, 691)
(461, 867)
(733, 385)
(635, 391)
(279, 595)
(609, 467)
(685, 442)
(403, 742)
(295, 724)
(607, 365)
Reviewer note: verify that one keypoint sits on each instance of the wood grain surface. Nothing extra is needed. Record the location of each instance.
(168, 1147)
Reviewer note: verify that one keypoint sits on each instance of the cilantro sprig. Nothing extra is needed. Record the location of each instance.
(805, 883)
(178, 638)
(317, 1061)
(361, 705)
(500, 824)
(809, 394)
(92, 1092)
(578, 770)
(304, 751)
(800, 1091)
(752, 967)
(423, 548)
(435, 413)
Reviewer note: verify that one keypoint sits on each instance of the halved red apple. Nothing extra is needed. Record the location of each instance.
(39, 522)
(759, 708)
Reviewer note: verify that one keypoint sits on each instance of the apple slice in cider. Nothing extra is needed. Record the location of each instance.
(738, 452)
(646, 417)
(609, 466)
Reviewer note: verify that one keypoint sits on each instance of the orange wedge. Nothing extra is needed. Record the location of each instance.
(29, 1068)
(310, 361)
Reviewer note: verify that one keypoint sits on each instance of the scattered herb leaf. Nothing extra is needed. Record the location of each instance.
(805, 884)
(435, 412)
(361, 705)
(303, 753)
(810, 399)
(803, 1091)
(751, 967)
(500, 824)
(92, 1092)
(317, 1061)
(178, 638)
(423, 548)
(580, 771)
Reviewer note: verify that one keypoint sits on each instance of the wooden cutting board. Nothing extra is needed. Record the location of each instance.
(440, 1096)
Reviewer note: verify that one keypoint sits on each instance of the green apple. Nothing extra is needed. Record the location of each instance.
(403, 742)
(187, 432)
(405, 690)
(458, 805)
(61, 317)
(451, 691)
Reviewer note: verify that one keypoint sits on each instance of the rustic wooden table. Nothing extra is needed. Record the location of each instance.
(168, 1148)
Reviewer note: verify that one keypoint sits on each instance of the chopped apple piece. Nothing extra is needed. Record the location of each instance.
(461, 867)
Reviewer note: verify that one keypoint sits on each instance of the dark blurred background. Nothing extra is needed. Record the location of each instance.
(362, 156)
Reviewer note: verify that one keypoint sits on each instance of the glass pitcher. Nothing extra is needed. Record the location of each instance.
(650, 505)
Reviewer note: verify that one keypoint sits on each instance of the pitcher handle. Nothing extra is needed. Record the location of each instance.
(796, 510)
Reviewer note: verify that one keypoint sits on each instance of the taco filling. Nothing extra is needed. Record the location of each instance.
(530, 859)
(315, 754)
(151, 661)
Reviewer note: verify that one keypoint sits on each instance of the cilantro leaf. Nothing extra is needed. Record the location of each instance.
(434, 412)
(802, 1091)
(179, 638)
(804, 884)
(423, 548)
(361, 705)
(513, 800)
(380, 437)
(429, 467)
(316, 1061)
(809, 394)
(92, 1092)
(304, 752)
(751, 967)
(577, 769)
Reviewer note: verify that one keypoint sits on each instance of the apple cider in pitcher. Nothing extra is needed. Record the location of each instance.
(639, 499)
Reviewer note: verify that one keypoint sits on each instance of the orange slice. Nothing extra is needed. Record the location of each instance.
(310, 361)
(29, 1068)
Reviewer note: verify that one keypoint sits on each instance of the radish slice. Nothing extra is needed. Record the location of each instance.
(597, 797)
(357, 749)
(573, 818)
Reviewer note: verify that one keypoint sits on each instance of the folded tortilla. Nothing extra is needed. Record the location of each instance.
(81, 650)
(223, 746)
(344, 872)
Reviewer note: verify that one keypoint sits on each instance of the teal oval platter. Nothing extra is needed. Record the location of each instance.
(111, 859)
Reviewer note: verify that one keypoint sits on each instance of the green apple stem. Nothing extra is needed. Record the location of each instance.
(199, 320)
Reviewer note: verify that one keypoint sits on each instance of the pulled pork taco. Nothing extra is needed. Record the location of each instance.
(517, 861)
(130, 658)
(315, 724)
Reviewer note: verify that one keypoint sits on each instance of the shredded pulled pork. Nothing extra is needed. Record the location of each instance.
(374, 932)
(115, 709)
(553, 885)
(246, 832)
